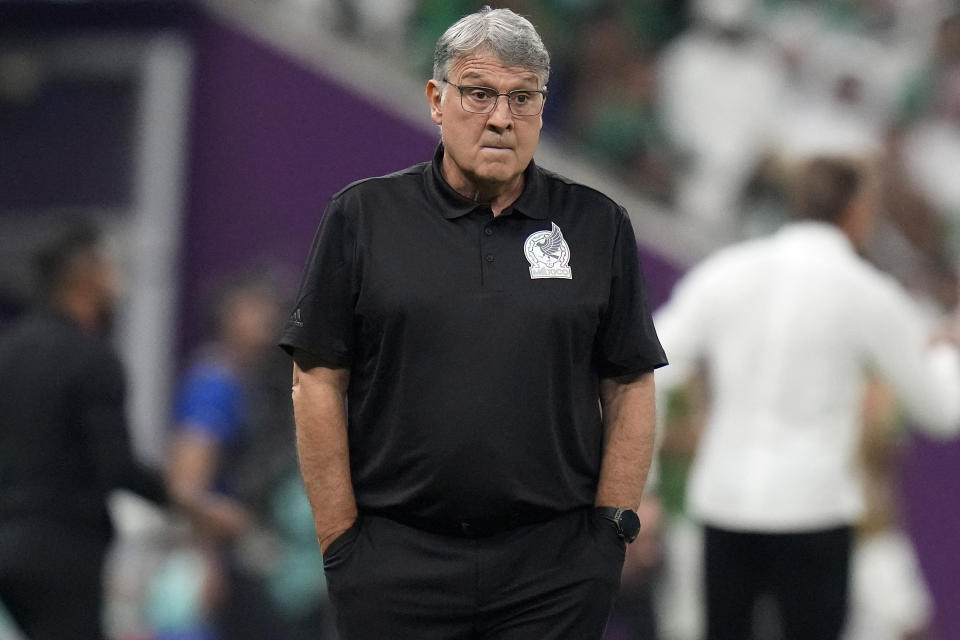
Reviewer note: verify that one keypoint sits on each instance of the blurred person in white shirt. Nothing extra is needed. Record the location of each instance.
(931, 154)
(720, 86)
(788, 328)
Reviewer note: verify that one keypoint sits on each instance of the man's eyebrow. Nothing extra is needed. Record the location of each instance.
(474, 77)
(482, 81)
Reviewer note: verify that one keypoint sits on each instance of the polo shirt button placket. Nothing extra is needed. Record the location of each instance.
(489, 249)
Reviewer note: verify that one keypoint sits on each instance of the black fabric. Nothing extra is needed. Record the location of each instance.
(64, 442)
(64, 446)
(806, 574)
(553, 580)
(249, 612)
(50, 580)
(474, 387)
(470, 528)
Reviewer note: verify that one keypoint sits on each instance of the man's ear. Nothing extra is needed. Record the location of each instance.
(435, 99)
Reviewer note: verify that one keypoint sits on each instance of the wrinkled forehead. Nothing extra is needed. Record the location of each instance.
(482, 66)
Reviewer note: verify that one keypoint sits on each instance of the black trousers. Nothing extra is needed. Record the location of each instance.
(51, 580)
(551, 580)
(807, 574)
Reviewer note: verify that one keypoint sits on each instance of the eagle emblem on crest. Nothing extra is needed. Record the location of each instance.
(548, 254)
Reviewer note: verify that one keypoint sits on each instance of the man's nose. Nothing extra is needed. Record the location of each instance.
(501, 117)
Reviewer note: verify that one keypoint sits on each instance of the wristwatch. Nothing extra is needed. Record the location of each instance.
(626, 521)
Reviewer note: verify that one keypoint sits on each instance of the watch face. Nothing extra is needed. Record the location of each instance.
(629, 524)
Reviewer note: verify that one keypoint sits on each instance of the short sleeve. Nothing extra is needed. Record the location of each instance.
(627, 341)
(209, 401)
(322, 320)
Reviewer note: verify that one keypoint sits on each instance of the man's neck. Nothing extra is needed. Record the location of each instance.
(501, 199)
(497, 195)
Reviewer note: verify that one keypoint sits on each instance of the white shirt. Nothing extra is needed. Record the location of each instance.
(718, 100)
(789, 327)
(931, 151)
(888, 596)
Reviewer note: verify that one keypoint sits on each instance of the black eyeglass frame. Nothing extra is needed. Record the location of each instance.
(462, 87)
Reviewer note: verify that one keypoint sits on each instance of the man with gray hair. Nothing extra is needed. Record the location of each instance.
(472, 378)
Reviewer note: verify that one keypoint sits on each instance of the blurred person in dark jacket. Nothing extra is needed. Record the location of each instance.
(233, 435)
(65, 444)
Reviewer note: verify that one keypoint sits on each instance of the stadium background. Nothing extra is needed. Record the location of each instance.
(209, 135)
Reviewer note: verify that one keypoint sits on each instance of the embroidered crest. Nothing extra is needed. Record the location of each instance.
(548, 254)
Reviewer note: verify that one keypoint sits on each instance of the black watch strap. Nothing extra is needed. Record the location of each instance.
(626, 521)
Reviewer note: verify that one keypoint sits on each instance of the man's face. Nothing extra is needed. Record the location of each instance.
(96, 277)
(250, 322)
(484, 150)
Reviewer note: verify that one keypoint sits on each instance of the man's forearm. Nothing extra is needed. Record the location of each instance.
(629, 431)
(320, 413)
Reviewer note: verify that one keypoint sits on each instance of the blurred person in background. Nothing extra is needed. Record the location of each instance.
(681, 413)
(233, 435)
(65, 444)
(613, 104)
(472, 381)
(720, 86)
(634, 613)
(889, 599)
(787, 328)
(924, 88)
(931, 153)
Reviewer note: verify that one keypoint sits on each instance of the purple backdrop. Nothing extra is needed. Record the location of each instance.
(271, 141)
(931, 485)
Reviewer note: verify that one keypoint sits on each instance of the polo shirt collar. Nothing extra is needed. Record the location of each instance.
(531, 202)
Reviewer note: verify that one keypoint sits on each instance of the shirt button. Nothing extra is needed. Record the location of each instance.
(489, 258)
(488, 231)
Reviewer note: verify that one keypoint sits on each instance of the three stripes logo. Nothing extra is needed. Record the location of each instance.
(295, 318)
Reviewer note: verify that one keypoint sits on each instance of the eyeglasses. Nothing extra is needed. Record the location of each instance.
(521, 102)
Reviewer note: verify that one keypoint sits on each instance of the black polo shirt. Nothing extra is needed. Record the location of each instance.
(475, 343)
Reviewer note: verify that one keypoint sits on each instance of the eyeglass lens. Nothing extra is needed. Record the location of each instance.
(484, 100)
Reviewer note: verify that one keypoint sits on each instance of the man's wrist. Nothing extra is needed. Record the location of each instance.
(624, 520)
(329, 535)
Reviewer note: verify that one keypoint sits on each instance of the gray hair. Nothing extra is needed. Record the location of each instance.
(507, 35)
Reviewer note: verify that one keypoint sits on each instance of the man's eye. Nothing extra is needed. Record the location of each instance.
(519, 97)
(481, 94)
